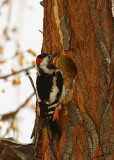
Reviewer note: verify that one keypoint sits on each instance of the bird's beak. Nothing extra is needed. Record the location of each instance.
(53, 55)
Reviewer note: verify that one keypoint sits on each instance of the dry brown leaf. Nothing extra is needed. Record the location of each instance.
(5, 34)
(14, 29)
(8, 38)
(17, 53)
(32, 52)
(1, 49)
(16, 81)
(6, 1)
(5, 31)
(21, 61)
(3, 90)
(33, 62)
(27, 62)
(2, 61)
(13, 70)
(1, 124)
(18, 45)
(14, 127)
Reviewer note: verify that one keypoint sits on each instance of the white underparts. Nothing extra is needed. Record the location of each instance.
(54, 91)
(63, 94)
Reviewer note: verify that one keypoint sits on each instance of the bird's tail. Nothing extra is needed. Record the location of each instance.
(54, 128)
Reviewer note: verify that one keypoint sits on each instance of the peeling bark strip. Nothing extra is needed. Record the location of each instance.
(56, 13)
(92, 136)
(51, 152)
(64, 21)
(75, 117)
(93, 140)
(63, 26)
(74, 114)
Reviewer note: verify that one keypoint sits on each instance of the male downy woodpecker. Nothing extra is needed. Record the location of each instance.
(49, 87)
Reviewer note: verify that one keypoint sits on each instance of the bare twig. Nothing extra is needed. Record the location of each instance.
(12, 115)
(8, 129)
(18, 72)
(27, 100)
(40, 31)
(5, 60)
(32, 83)
(34, 88)
(37, 125)
(51, 146)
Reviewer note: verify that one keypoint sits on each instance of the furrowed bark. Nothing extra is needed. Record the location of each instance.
(83, 32)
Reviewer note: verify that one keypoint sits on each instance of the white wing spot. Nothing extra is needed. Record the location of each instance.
(51, 112)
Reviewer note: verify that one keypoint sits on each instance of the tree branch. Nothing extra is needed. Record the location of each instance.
(11, 115)
(12, 149)
(32, 83)
(18, 72)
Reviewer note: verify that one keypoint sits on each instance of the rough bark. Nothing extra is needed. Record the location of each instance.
(83, 32)
(10, 149)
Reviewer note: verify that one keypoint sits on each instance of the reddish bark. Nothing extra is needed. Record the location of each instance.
(83, 32)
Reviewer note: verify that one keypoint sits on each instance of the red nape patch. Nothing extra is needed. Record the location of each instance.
(38, 60)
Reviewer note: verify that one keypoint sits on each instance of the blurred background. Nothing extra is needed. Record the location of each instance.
(21, 25)
(20, 42)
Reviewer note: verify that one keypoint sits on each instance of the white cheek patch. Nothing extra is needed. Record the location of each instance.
(45, 62)
(54, 91)
(36, 67)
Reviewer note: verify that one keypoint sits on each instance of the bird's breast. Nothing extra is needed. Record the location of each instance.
(54, 90)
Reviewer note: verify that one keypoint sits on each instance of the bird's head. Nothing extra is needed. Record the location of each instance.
(44, 59)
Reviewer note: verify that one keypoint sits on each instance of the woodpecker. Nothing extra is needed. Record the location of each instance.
(50, 89)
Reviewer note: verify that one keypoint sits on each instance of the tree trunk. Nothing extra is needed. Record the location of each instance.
(82, 32)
